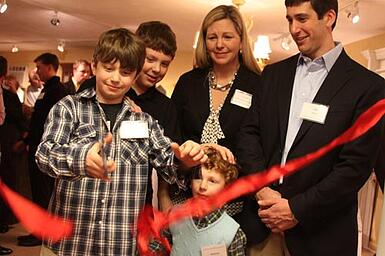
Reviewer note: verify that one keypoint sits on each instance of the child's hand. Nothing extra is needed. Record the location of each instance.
(135, 108)
(95, 166)
(189, 153)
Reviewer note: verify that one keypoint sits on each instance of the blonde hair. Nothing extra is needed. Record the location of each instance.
(221, 12)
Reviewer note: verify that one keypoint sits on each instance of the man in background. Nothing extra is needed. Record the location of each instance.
(81, 70)
(47, 65)
(3, 73)
(32, 92)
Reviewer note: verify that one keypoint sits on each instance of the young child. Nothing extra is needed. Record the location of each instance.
(217, 230)
(85, 130)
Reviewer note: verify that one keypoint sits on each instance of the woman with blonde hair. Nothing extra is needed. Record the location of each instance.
(213, 98)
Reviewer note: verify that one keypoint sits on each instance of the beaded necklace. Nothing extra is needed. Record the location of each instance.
(214, 85)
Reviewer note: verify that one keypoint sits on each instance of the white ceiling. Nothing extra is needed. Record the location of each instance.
(27, 22)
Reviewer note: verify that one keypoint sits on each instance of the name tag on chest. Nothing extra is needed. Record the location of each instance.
(134, 130)
(314, 112)
(242, 99)
(214, 250)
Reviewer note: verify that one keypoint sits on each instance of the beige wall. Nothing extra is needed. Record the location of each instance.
(183, 59)
(182, 63)
(355, 49)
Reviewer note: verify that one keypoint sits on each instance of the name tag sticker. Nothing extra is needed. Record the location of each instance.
(214, 250)
(242, 99)
(314, 112)
(134, 130)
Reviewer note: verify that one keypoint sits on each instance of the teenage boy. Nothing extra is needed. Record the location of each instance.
(99, 152)
(160, 51)
(217, 230)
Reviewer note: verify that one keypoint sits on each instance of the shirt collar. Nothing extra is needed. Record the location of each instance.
(328, 59)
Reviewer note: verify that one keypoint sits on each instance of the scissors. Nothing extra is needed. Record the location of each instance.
(104, 158)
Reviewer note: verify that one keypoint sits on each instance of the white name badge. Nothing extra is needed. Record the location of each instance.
(214, 250)
(41, 95)
(314, 112)
(242, 99)
(134, 130)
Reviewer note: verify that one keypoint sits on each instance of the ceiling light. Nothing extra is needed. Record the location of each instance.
(55, 20)
(353, 13)
(14, 49)
(3, 6)
(60, 46)
(262, 47)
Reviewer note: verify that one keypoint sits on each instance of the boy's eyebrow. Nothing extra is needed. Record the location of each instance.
(196, 172)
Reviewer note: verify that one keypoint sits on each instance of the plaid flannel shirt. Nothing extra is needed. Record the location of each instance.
(104, 213)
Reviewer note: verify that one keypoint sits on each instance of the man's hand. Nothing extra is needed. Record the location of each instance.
(94, 162)
(226, 154)
(267, 193)
(189, 153)
(276, 214)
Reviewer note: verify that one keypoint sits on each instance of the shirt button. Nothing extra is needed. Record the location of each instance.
(100, 222)
(103, 201)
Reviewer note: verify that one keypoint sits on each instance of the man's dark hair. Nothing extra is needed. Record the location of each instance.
(48, 59)
(3, 66)
(321, 7)
(158, 36)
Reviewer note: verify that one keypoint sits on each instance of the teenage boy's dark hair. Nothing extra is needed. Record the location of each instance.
(120, 45)
(48, 59)
(158, 36)
(319, 6)
(3, 66)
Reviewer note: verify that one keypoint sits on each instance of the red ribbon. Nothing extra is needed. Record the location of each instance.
(151, 221)
(35, 219)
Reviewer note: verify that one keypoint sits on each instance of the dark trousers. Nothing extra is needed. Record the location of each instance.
(41, 184)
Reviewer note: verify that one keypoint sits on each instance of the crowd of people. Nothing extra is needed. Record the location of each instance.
(94, 143)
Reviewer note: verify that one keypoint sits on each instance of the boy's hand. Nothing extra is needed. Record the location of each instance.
(94, 162)
(189, 153)
(135, 108)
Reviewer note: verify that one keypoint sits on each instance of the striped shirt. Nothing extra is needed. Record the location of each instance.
(104, 213)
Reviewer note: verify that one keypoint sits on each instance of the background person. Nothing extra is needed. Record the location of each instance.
(47, 65)
(81, 71)
(3, 73)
